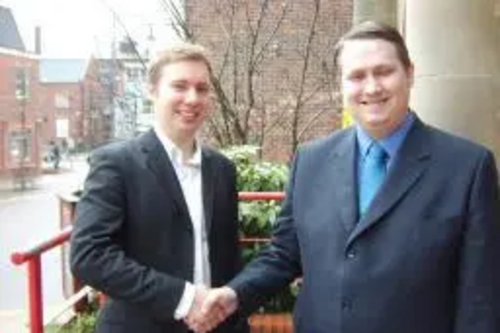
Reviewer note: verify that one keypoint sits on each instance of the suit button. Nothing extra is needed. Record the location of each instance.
(351, 254)
(346, 304)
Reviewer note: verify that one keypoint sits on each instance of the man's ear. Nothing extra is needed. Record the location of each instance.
(410, 71)
(151, 92)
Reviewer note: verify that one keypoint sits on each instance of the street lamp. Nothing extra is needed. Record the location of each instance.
(22, 96)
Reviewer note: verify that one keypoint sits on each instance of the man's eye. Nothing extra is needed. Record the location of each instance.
(384, 72)
(179, 86)
(355, 77)
(202, 89)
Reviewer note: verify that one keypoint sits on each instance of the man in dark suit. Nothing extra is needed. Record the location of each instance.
(157, 223)
(393, 224)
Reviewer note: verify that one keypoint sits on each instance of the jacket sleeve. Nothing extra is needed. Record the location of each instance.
(277, 265)
(478, 294)
(97, 255)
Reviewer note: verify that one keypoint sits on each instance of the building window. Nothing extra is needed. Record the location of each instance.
(136, 74)
(19, 145)
(62, 128)
(61, 101)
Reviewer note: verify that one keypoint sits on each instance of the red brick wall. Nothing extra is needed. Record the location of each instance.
(12, 111)
(277, 82)
(10, 108)
(3, 140)
(97, 124)
(88, 126)
(50, 112)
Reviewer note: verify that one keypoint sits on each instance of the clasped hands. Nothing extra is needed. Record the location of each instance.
(210, 308)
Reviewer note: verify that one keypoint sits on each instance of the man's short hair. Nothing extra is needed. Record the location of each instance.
(371, 30)
(173, 54)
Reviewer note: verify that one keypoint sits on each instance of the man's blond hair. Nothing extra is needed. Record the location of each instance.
(173, 54)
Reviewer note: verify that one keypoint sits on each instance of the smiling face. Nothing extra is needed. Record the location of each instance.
(181, 99)
(375, 85)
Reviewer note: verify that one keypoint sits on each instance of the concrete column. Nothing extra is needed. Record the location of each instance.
(454, 45)
(497, 79)
(380, 10)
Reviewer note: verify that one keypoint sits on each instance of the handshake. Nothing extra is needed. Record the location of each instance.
(210, 308)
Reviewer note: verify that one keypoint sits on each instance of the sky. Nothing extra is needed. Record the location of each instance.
(78, 28)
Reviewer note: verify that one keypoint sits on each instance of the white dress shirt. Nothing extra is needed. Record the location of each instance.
(188, 173)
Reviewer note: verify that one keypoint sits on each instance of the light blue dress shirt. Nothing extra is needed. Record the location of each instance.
(391, 144)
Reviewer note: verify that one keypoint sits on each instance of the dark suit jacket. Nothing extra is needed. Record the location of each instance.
(133, 238)
(424, 259)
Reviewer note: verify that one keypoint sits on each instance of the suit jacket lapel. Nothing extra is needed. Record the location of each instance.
(208, 179)
(160, 165)
(338, 179)
(409, 167)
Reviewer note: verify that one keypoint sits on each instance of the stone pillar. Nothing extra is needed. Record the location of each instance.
(380, 10)
(497, 80)
(454, 45)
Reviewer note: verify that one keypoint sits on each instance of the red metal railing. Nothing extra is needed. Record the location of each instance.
(33, 256)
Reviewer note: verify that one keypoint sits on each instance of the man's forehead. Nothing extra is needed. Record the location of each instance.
(186, 71)
(362, 47)
(367, 51)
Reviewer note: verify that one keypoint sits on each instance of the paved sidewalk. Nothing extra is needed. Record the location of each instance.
(9, 187)
(18, 209)
(15, 321)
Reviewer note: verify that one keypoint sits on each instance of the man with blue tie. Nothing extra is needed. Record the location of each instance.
(393, 224)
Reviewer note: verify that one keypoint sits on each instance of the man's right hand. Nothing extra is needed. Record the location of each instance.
(223, 298)
(218, 304)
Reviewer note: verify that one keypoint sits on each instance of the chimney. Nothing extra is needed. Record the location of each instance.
(38, 40)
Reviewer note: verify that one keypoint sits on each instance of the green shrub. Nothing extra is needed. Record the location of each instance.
(83, 323)
(257, 217)
(255, 175)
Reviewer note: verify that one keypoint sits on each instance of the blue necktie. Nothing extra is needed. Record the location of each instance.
(373, 170)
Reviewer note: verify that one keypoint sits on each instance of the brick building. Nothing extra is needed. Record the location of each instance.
(61, 103)
(274, 61)
(41, 100)
(77, 103)
(19, 95)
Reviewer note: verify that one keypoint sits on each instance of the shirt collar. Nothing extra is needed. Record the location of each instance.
(391, 143)
(175, 153)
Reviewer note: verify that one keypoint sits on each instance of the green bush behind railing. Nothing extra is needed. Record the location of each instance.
(257, 217)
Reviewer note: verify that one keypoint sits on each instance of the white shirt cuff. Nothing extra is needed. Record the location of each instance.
(186, 302)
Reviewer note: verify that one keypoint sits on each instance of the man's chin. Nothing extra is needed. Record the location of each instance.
(375, 123)
(376, 129)
(189, 129)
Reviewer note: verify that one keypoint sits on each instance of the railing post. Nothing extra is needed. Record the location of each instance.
(35, 294)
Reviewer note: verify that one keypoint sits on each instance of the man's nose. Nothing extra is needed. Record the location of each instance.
(192, 96)
(372, 85)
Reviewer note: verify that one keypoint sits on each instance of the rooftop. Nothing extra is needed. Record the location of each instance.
(62, 70)
(9, 33)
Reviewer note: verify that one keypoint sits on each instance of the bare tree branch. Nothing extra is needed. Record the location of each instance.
(246, 33)
(296, 115)
(265, 46)
(180, 24)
